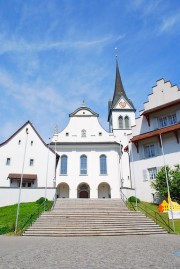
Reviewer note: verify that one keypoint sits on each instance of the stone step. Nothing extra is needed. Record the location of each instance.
(95, 233)
(52, 213)
(87, 227)
(78, 223)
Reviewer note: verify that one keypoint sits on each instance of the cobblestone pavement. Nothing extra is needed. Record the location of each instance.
(155, 251)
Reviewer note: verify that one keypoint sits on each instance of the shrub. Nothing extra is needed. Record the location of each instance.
(132, 199)
(41, 200)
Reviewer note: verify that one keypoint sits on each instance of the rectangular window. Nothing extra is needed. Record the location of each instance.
(8, 161)
(149, 151)
(63, 169)
(31, 162)
(23, 185)
(83, 164)
(103, 165)
(29, 184)
(172, 119)
(152, 172)
(163, 122)
(167, 120)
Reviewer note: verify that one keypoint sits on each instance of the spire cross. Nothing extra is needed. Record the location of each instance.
(56, 129)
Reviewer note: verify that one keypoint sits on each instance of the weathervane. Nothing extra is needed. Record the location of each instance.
(116, 50)
(83, 103)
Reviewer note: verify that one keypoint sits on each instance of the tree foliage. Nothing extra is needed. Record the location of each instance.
(159, 184)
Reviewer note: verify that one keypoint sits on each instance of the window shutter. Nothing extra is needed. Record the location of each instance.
(144, 175)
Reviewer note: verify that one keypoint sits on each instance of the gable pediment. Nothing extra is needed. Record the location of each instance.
(123, 103)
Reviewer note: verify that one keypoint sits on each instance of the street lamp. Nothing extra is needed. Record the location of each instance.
(20, 187)
(55, 143)
(47, 170)
(167, 181)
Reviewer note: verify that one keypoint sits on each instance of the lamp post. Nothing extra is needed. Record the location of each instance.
(132, 161)
(167, 181)
(20, 187)
(55, 144)
(47, 168)
(120, 164)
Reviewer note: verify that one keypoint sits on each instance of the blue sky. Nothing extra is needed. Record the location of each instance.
(55, 53)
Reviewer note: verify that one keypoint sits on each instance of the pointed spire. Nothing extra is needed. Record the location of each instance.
(119, 89)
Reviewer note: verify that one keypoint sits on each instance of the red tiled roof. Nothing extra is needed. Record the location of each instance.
(157, 132)
(26, 177)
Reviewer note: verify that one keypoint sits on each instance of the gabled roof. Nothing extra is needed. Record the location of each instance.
(73, 114)
(22, 127)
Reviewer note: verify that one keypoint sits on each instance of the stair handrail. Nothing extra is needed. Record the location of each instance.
(162, 221)
(126, 202)
(31, 215)
(54, 200)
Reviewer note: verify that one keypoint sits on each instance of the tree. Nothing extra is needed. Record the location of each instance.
(159, 184)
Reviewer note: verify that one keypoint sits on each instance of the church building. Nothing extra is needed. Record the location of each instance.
(92, 163)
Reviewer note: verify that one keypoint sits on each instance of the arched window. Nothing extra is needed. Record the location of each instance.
(126, 120)
(64, 165)
(83, 133)
(103, 165)
(120, 122)
(83, 165)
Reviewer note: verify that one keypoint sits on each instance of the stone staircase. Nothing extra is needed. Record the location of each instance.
(92, 217)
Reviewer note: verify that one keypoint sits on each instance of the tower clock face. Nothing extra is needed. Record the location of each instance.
(122, 104)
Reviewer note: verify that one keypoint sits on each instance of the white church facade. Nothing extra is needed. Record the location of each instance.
(92, 163)
(86, 161)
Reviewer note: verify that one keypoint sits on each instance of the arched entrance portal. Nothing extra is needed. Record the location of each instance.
(83, 191)
(104, 190)
(63, 190)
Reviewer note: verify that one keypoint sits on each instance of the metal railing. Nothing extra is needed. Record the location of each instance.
(148, 212)
(34, 216)
(54, 200)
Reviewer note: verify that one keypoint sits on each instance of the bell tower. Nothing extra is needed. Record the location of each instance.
(121, 116)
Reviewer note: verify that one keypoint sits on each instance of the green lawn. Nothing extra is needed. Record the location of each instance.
(151, 208)
(8, 215)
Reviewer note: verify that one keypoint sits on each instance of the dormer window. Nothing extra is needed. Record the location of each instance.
(8, 161)
(31, 162)
(83, 133)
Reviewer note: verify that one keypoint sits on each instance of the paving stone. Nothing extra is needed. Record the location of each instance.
(126, 252)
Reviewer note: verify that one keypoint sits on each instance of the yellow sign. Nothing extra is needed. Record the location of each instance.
(164, 206)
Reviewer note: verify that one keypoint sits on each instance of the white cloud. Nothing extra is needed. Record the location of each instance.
(169, 23)
(21, 45)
